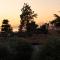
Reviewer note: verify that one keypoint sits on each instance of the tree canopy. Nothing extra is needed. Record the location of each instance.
(56, 21)
(6, 26)
(26, 16)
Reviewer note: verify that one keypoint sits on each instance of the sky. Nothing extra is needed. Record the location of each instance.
(11, 10)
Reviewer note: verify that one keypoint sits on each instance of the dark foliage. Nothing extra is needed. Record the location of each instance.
(43, 29)
(51, 51)
(26, 16)
(5, 26)
(24, 52)
(56, 21)
(31, 27)
(4, 53)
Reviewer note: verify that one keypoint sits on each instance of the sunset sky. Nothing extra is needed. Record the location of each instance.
(11, 9)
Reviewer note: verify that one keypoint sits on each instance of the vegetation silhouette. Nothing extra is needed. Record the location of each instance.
(31, 27)
(4, 53)
(5, 26)
(20, 52)
(24, 51)
(44, 28)
(16, 47)
(56, 21)
(51, 51)
(26, 16)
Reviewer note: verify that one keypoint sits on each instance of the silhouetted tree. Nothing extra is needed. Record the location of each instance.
(26, 16)
(31, 27)
(44, 28)
(56, 21)
(5, 26)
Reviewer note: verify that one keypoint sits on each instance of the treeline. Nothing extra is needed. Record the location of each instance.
(27, 23)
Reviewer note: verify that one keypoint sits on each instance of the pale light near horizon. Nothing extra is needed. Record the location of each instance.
(11, 9)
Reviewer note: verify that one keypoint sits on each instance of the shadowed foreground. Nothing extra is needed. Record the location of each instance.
(19, 49)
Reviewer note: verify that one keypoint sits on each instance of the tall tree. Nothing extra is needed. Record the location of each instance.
(26, 16)
(5, 26)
